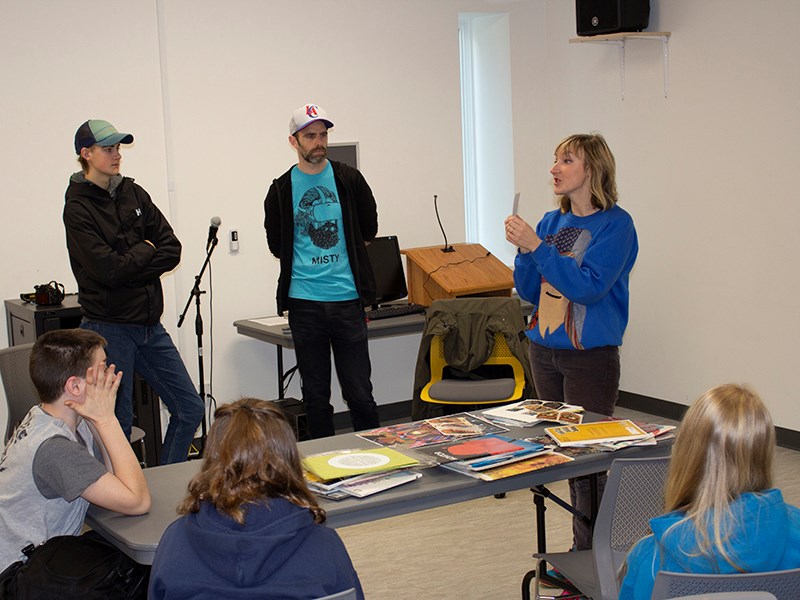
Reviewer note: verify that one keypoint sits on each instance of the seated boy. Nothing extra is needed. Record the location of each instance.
(51, 468)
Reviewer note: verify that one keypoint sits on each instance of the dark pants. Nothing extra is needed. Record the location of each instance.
(318, 327)
(149, 351)
(588, 378)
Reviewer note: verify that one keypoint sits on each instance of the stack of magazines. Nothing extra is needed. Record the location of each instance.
(440, 430)
(613, 432)
(357, 473)
(527, 413)
(480, 454)
(610, 434)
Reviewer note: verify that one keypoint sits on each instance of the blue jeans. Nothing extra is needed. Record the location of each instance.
(588, 378)
(318, 327)
(149, 351)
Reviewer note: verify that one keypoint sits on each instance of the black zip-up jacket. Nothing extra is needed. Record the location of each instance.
(118, 273)
(359, 215)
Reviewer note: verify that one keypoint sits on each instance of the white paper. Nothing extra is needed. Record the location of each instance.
(271, 321)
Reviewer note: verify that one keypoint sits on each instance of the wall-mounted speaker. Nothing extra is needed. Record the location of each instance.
(595, 17)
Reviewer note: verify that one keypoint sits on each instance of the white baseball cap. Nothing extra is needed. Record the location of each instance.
(305, 116)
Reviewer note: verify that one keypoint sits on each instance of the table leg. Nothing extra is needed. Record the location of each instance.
(540, 494)
(281, 377)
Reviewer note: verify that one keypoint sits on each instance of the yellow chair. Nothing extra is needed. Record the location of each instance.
(471, 388)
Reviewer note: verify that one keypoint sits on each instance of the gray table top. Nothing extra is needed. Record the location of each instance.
(275, 334)
(139, 536)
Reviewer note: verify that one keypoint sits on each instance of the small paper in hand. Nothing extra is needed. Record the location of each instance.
(515, 208)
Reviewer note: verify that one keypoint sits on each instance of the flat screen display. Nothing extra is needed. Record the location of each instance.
(344, 152)
(387, 265)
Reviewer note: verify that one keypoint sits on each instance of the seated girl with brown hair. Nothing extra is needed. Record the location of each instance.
(251, 527)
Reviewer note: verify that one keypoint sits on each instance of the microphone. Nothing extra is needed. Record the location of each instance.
(436, 208)
(212, 231)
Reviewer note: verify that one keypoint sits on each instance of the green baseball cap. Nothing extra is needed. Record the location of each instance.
(102, 133)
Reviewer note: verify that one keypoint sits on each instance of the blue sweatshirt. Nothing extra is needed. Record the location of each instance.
(765, 537)
(279, 553)
(577, 279)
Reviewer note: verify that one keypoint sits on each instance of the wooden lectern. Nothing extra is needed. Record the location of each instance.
(470, 270)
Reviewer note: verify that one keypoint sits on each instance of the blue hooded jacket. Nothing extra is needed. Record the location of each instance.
(765, 537)
(278, 554)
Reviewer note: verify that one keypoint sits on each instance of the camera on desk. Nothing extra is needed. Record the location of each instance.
(46, 294)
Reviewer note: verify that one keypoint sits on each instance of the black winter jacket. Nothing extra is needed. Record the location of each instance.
(359, 215)
(118, 273)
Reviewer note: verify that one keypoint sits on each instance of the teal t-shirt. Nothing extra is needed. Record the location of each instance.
(320, 265)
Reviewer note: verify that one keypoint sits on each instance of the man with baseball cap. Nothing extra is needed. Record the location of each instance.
(119, 245)
(319, 217)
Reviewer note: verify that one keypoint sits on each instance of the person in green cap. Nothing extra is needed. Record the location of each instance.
(119, 245)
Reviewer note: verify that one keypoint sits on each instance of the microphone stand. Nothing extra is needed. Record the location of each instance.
(198, 329)
(436, 208)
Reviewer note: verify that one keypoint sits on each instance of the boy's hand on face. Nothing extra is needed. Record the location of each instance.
(100, 396)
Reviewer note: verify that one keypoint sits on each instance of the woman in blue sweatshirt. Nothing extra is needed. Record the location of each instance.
(724, 516)
(251, 528)
(574, 269)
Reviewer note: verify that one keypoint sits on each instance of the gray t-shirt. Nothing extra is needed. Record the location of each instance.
(64, 469)
(42, 500)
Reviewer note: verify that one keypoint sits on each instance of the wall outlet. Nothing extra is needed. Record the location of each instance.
(233, 241)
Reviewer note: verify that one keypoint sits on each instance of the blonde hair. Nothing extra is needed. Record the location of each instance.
(251, 456)
(724, 449)
(599, 160)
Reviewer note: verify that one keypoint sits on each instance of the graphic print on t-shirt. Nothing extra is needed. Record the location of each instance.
(320, 261)
(317, 216)
(554, 308)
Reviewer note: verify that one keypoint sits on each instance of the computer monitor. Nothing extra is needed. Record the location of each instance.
(387, 265)
(344, 152)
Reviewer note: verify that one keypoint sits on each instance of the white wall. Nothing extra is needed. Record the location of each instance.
(207, 87)
(709, 175)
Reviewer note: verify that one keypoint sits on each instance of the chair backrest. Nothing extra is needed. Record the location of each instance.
(784, 585)
(730, 596)
(474, 390)
(468, 328)
(345, 595)
(21, 395)
(634, 494)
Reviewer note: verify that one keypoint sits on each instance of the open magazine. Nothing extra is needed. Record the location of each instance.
(527, 413)
(432, 431)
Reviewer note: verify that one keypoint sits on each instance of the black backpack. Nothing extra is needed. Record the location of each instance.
(68, 566)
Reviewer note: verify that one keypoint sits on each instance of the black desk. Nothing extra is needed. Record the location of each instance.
(139, 536)
(26, 321)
